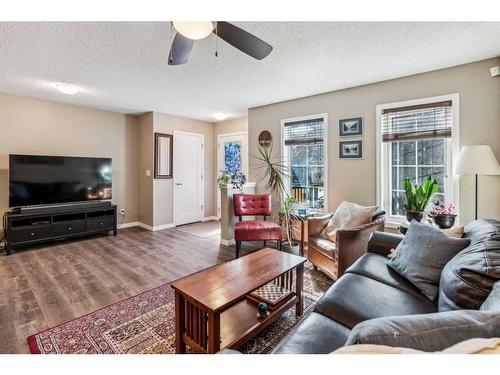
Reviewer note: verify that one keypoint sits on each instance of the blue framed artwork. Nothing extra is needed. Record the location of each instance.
(232, 157)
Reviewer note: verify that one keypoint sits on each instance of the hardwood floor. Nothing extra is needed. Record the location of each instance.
(45, 286)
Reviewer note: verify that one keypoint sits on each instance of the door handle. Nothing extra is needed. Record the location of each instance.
(178, 183)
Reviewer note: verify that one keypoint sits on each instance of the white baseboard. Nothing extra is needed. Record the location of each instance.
(227, 242)
(146, 226)
(128, 225)
(209, 218)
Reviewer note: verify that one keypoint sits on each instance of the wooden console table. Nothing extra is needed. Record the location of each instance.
(212, 310)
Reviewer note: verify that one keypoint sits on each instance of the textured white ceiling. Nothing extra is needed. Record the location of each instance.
(122, 66)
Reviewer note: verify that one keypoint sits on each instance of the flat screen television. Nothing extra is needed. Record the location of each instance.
(44, 180)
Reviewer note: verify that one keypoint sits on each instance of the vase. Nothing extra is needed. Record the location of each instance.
(444, 221)
(414, 215)
(294, 248)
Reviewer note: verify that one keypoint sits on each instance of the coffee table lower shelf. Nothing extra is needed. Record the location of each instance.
(240, 322)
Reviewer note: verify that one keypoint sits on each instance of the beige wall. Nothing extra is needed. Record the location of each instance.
(163, 189)
(40, 127)
(145, 162)
(231, 126)
(355, 180)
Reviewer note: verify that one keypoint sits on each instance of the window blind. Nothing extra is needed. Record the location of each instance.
(304, 132)
(431, 120)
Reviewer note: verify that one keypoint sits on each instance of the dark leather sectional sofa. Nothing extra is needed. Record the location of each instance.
(369, 289)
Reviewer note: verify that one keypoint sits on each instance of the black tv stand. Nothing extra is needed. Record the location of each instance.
(31, 226)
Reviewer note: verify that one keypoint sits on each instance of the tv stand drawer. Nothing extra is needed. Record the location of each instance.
(100, 223)
(69, 227)
(35, 232)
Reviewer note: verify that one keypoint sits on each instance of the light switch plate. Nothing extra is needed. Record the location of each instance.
(148, 173)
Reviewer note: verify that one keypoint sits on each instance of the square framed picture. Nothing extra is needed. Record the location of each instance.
(351, 150)
(351, 126)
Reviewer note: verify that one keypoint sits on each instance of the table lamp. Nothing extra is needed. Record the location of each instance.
(477, 160)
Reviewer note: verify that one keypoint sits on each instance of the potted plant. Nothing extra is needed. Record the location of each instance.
(274, 172)
(417, 197)
(223, 179)
(443, 215)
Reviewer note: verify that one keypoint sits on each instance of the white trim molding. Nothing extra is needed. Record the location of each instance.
(381, 170)
(210, 218)
(227, 242)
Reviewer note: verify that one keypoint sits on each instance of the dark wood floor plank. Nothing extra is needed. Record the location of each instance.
(50, 284)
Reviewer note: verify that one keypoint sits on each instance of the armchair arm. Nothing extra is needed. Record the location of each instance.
(317, 223)
(353, 243)
(382, 242)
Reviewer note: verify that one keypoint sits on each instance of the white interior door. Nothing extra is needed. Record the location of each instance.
(232, 156)
(188, 177)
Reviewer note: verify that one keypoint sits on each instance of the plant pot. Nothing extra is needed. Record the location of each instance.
(414, 215)
(291, 249)
(444, 221)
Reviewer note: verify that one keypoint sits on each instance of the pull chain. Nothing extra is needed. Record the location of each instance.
(171, 40)
(216, 42)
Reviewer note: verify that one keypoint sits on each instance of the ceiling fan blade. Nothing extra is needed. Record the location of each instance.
(243, 40)
(180, 50)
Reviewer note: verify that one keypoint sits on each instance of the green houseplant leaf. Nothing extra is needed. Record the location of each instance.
(418, 196)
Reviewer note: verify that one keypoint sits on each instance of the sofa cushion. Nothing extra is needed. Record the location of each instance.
(323, 245)
(428, 332)
(492, 302)
(255, 230)
(374, 266)
(355, 298)
(316, 334)
(347, 216)
(468, 278)
(422, 254)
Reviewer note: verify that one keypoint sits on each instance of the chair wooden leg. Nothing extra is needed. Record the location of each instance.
(238, 244)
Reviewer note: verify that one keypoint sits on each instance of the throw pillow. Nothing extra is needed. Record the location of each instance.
(492, 302)
(347, 216)
(457, 232)
(472, 346)
(422, 254)
(427, 332)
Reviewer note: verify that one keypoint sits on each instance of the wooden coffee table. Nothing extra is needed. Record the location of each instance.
(212, 310)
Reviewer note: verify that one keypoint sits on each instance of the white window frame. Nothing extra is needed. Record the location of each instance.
(286, 162)
(383, 156)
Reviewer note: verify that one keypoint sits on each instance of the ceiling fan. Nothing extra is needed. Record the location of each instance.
(188, 32)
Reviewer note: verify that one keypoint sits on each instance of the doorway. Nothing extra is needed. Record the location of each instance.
(232, 156)
(188, 177)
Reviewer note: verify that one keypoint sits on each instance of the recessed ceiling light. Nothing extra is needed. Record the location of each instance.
(66, 89)
(220, 116)
(194, 30)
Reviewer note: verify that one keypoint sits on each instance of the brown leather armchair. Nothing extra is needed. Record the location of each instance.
(334, 258)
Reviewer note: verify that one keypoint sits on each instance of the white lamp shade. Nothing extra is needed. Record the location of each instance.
(478, 159)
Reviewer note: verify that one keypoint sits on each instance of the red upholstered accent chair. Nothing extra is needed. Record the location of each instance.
(254, 230)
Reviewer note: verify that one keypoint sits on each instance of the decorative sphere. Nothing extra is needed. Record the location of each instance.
(262, 308)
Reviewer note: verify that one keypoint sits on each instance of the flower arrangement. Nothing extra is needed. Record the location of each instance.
(441, 209)
(443, 214)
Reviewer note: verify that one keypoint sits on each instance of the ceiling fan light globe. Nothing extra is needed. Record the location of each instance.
(194, 30)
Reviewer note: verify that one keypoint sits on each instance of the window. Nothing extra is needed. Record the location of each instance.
(415, 141)
(304, 154)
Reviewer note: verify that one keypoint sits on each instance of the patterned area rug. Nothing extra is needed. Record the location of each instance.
(145, 323)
